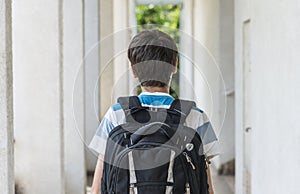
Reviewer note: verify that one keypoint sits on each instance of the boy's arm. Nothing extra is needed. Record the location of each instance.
(98, 175)
(209, 180)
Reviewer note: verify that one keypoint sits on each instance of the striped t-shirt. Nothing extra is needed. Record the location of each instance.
(196, 119)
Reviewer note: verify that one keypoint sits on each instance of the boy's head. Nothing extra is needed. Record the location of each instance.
(153, 56)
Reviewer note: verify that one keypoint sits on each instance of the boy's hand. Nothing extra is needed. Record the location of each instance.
(209, 180)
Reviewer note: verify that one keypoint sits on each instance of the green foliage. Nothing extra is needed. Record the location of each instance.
(162, 17)
(165, 18)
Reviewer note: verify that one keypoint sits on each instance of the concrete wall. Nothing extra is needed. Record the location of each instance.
(274, 29)
(73, 96)
(38, 108)
(242, 14)
(6, 98)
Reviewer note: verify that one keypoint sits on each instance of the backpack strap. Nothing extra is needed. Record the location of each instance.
(129, 102)
(132, 105)
(183, 107)
(134, 112)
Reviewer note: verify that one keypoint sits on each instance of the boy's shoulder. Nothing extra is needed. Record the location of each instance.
(197, 109)
(115, 115)
(116, 107)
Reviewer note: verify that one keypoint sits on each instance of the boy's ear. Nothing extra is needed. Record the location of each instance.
(175, 68)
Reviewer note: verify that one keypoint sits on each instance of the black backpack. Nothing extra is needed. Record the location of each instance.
(154, 152)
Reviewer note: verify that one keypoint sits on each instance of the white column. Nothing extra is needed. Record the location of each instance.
(226, 95)
(6, 98)
(106, 55)
(206, 59)
(38, 97)
(91, 36)
(121, 40)
(73, 90)
(132, 20)
(186, 73)
(242, 14)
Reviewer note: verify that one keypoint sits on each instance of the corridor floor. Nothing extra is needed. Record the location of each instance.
(222, 184)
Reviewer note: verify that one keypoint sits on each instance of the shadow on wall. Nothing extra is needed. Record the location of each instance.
(18, 188)
(228, 168)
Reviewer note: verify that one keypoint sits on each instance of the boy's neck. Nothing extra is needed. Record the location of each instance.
(156, 89)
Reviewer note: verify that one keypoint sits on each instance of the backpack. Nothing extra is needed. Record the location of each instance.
(153, 152)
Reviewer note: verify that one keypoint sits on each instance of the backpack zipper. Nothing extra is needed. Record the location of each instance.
(184, 166)
(131, 189)
(187, 188)
(194, 178)
(189, 160)
(140, 184)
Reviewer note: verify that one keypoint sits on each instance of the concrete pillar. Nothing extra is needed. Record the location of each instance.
(38, 96)
(74, 94)
(226, 93)
(106, 55)
(186, 73)
(242, 16)
(121, 41)
(214, 69)
(92, 109)
(206, 59)
(6, 101)
(133, 82)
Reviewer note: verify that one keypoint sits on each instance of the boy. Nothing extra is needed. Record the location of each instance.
(153, 56)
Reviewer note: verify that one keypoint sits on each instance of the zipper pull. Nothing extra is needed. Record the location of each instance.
(187, 188)
(131, 189)
(189, 160)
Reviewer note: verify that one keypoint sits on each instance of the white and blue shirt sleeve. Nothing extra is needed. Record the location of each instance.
(112, 118)
(198, 120)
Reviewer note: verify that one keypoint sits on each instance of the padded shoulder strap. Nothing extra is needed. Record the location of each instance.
(129, 102)
(183, 106)
(134, 112)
